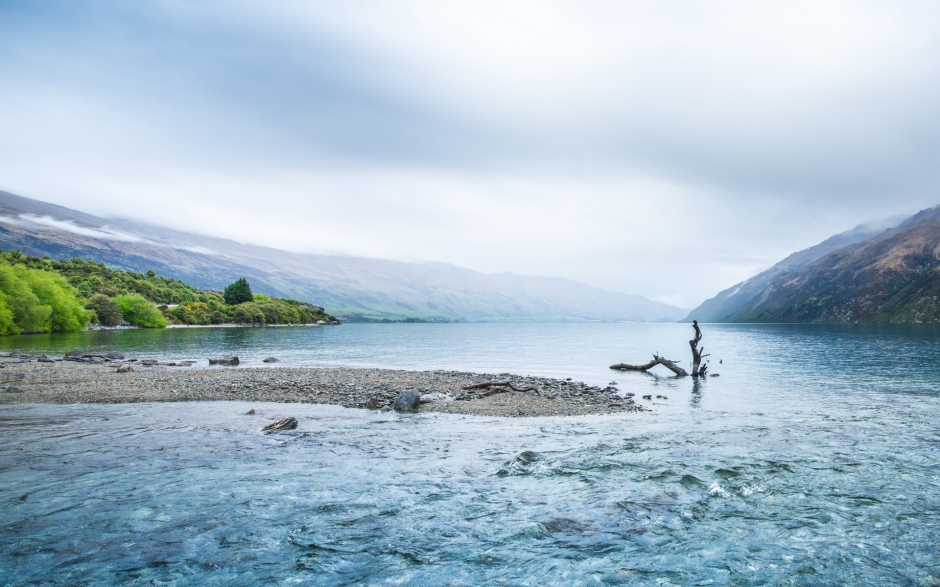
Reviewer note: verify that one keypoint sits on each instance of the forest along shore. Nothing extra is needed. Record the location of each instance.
(29, 379)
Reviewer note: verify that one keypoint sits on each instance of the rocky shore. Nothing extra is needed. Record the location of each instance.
(110, 378)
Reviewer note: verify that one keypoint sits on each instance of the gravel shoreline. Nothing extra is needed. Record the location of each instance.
(27, 380)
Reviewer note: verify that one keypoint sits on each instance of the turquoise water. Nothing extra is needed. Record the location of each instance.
(812, 460)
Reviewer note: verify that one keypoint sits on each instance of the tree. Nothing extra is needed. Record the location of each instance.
(238, 293)
(108, 311)
(140, 311)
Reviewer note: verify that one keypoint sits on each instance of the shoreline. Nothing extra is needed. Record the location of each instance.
(66, 382)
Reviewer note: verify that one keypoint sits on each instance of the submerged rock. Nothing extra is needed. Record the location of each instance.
(271, 360)
(285, 424)
(407, 402)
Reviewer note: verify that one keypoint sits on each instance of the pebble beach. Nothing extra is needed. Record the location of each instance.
(96, 379)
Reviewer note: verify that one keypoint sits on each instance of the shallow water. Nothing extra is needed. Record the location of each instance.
(812, 460)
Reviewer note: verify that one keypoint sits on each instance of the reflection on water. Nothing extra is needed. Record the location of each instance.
(812, 460)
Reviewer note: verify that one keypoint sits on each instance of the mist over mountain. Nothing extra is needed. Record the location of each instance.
(353, 288)
(885, 271)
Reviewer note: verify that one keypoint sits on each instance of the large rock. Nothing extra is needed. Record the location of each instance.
(285, 424)
(232, 361)
(407, 402)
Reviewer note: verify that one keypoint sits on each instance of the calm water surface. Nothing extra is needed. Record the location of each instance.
(812, 460)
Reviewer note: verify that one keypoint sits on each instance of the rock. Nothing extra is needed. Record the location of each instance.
(10, 389)
(321, 321)
(285, 424)
(250, 412)
(149, 362)
(612, 383)
(45, 359)
(407, 402)
(125, 369)
(373, 403)
(76, 354)
(114, 356)
(714, 375)
(335, 322)
(232, 361)
(648, 397)
(436, 397)
(271, 360)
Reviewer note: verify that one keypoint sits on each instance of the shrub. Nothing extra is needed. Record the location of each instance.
(108, 311)
(238, 292)
(137, 310)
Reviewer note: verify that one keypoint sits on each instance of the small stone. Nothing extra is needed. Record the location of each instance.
(271, 360)
(649, 397)
(714, 375)
(407, 402)
(250, 412)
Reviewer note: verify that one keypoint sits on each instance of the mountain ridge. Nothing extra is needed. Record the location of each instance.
(852, 276)
(355, 288)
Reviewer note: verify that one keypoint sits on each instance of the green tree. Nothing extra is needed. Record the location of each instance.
(108, 311)
(54, 291)
(139, 311)
(238, 292)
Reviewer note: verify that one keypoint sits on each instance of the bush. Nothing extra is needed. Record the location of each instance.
(108, 311)
(238, 292)
(139, 311)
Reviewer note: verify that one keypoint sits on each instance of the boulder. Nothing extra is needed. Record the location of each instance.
(271, 360)
(114, 356)
(232, 361)
(125, 369)
(407, 402)
(45, 359)
(285, 424)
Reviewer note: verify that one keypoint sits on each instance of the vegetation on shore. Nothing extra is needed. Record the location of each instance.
(43, 295)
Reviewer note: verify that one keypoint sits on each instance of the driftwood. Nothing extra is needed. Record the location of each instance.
(493, 387)
(697, 352)
(657, 360)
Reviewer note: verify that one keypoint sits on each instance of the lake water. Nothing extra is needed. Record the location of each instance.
(814, 459)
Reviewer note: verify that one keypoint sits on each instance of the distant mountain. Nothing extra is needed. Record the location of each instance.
(885, 272)
(350, 287)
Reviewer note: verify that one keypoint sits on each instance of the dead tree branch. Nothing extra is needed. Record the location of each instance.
(657, 360)
(499, 384)
(697, 352)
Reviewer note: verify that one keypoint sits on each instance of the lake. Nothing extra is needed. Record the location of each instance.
(814, 459)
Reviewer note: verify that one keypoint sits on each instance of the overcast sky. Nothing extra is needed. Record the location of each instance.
(669, 149)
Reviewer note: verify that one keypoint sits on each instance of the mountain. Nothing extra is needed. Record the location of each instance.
(354, 288)
(886, 272)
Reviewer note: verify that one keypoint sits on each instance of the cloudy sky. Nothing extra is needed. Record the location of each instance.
(667, 148)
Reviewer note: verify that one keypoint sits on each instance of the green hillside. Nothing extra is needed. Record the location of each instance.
(43, 295)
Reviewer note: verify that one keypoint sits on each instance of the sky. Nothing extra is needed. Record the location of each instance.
(668, 149)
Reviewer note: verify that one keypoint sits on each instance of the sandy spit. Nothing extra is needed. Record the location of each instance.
(26, 380)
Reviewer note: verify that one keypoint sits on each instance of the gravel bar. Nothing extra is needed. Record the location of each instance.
(24, 379)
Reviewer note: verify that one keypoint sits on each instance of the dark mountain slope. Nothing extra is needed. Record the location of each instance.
(894, 278)
(731, 301)
(351, 287)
